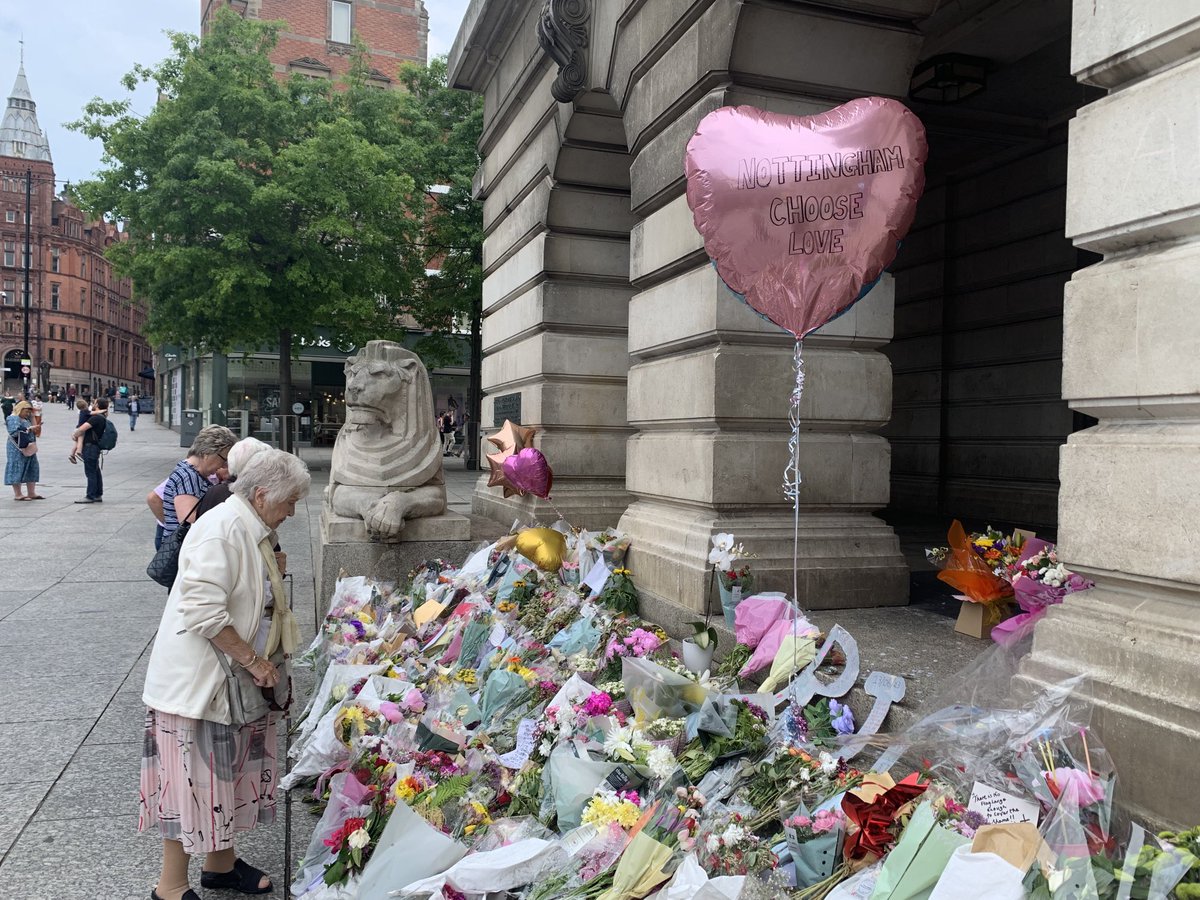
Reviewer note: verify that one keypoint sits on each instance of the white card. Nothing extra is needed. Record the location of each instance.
(598, 577)
(520, 753)
(575, 840)
(1000, 808)
(496, 638)
(477, 564)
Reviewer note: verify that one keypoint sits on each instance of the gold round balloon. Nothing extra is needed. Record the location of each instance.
(544, 547)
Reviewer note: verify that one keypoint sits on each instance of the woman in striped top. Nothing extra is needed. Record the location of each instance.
(189, 482)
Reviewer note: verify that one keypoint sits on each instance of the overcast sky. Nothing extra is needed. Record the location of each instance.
(79, 49)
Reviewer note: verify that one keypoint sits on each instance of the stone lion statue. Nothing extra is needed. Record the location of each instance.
(387, 461)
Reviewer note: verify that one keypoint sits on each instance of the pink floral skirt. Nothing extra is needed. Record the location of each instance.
(203, 782)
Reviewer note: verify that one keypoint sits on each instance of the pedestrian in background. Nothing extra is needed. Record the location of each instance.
(87, 445)
(21, 466)
(134, 409)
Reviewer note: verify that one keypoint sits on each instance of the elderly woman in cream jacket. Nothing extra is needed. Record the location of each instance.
(208, 766)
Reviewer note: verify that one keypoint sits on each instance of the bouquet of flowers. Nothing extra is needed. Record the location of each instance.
(733, 582)
(619, 594)
(1039, 581)
(977, 566)
(814, 840)
(748, 735)
(729, 847)
(937, 828)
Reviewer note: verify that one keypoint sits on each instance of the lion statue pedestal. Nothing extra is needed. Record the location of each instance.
(385, 507)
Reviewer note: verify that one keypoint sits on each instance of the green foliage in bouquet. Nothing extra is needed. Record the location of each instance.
(453, 788)
(1113, 880)
(733, 661)
(523, 590)
(748, 733)
(620, 594)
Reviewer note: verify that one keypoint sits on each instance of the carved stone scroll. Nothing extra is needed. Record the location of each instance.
(562, 32)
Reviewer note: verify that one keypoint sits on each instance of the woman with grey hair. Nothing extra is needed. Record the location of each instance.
(186, 486)
(239, 455)
(209, 767)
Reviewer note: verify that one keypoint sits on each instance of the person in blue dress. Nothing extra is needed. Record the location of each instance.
(20, 469)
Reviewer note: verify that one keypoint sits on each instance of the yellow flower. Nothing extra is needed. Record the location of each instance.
(365, 616)
(407, 788)
(519, 583)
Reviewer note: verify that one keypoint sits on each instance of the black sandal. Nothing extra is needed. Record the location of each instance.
(243, 878)
(189, 894)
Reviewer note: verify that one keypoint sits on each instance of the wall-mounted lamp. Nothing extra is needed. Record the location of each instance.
(948, 78)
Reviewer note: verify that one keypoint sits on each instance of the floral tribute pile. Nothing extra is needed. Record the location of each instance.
(495, 730)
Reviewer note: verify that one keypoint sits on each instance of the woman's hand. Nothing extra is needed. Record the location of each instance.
(263, 672)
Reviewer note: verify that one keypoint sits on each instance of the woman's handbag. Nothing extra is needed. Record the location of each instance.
(25, 442)
(247, 701)
(165, 565)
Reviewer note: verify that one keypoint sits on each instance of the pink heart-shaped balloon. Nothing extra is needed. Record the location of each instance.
(801, 213)
(529, 472)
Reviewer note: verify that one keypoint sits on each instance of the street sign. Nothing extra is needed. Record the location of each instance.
(24, 370)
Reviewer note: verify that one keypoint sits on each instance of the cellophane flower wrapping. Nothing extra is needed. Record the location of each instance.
(915, 864)
(814, 837)
(968, 573)
(640, 869)
(348, 798)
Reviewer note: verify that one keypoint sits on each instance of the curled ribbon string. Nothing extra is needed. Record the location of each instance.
(791, 474)
(791, 486)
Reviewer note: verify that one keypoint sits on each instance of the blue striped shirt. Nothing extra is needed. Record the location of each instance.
(184, 480)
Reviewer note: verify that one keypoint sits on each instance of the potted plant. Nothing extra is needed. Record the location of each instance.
(733, 583)
(699, 648)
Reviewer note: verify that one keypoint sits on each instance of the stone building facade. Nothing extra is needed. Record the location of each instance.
(1031, 360)
(85, 322)
(317, 39)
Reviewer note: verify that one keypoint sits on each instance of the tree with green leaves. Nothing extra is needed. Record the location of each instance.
(259, 210)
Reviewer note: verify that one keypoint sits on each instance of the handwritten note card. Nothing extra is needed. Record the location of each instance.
(598, 577)
(520, 753)
(1000, 808)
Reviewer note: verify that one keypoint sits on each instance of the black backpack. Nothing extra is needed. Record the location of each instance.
(108, 440)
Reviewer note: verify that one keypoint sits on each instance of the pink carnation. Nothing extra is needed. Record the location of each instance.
(598, 704)
(391, 711)
(414, 700)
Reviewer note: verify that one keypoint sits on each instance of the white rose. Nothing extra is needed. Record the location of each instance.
(359, 839)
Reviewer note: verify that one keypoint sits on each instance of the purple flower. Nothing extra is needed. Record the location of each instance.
(842, 718)
(358, 627)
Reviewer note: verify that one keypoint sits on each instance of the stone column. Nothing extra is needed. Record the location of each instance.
(1130, 495)
(710, 382)
(555, 188)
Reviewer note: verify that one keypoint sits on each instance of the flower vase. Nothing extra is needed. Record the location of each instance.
(731, 596)
(697, 659)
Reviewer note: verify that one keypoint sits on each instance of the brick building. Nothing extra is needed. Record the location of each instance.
(317, 40)
(85, 326)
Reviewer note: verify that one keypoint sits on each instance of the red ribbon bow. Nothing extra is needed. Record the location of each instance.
(874, 818)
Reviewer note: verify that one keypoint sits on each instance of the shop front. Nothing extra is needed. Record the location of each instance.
(241, 390)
